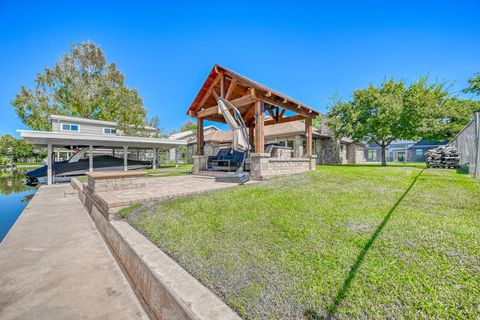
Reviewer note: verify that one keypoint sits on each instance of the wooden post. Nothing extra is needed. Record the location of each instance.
(251, 139)
(200, 141)
(308, 135)
(259, 124)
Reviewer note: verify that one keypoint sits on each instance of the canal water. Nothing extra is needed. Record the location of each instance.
(14, 196)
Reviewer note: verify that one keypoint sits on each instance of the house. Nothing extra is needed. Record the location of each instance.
(89, 126)
(86, 137)
(416, 152)
(401, 151)
(175, 154)
(291, 135)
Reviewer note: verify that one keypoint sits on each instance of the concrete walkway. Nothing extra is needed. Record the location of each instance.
(55, 265)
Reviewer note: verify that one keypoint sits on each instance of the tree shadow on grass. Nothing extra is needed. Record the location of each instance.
(332, 309)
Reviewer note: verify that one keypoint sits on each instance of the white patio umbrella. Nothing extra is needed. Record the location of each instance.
(240, 135)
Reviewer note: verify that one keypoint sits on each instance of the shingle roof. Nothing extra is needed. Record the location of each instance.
(277, 130)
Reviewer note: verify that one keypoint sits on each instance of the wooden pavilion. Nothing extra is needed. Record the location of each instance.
(259, 106)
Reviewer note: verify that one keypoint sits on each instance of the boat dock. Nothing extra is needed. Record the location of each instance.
(55, 265)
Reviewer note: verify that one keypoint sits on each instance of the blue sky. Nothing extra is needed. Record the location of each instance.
(307, 50)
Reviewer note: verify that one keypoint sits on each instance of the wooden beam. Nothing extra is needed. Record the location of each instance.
(285, 119)
(251, 135)
(282, 113)
(215, 94)
(210, 88)
(259, 132)
(200, 138)
(222, 86)
(249, 116)
(282, 104)
(231, 88)
(268, 94)
(239, 102)
(308, 134)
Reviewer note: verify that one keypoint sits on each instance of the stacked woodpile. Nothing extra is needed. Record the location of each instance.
(443, 157)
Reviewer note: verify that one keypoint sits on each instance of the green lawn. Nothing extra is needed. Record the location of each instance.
(169, 170)
(341, 242)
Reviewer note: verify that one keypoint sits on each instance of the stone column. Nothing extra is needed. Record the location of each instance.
(313, 162)
(259, 165)
(199, 164)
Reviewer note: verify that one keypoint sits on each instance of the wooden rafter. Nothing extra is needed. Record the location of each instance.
(282, 104)
(215, 94)
(209, 91)
(231, 88)
(239, 102)
(222, 86)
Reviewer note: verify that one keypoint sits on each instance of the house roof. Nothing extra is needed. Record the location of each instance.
(93, 121)
(222, 78)
(82, 120)
(66, 139)
(285, 129)
(188, 133)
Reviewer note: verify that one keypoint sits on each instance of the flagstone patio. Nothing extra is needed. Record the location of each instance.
(162, 188)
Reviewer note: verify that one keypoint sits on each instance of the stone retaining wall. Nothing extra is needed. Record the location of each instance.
(166, 289)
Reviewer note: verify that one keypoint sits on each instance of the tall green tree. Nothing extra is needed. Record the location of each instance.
(16, 148)
(188, 126)
(7, 144)
(474, 84)
(81, 84)
(390, 111)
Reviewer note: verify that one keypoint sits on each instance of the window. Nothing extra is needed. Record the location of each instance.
(70, 127)
(418, 154)
(109, 131)
(372, 155)
(290, 143)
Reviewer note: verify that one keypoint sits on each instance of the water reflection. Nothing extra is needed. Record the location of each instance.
(14, 196)
(12, 181)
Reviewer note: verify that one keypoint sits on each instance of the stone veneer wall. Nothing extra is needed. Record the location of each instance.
(109, 181)
(329, 151)
(263, 167)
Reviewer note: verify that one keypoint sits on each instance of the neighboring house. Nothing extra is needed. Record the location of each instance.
(185, 155)
(416, 153)
(89, 126)
(292, 135)
(401, 151)
(99, 128)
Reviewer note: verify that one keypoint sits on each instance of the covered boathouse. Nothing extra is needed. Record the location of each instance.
(259, 107)
(86, 136)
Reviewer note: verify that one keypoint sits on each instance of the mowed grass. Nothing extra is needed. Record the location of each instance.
(340, 242)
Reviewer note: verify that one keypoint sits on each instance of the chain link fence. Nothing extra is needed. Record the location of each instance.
(467, 143)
